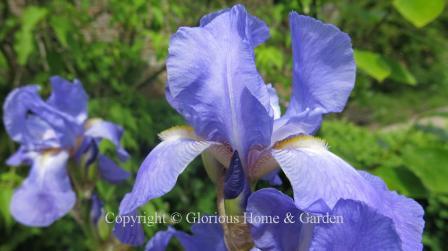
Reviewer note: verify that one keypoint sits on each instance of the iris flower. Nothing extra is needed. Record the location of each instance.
(214, 84)
(50, 133)
(361, 227)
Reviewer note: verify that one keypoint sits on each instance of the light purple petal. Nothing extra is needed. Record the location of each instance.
(214, 84)
(206, 236)
(305, 123)
(100, 129)
(362, 228)
(131, 233)
(160, 241)
(324, 74)
(256, 30)
(110, 171)
(20, 157)
(96, 209)
(35, 124)
(69, 98)
(324, 69)
(316, 173)
(274, 102)
(406, 213)
(46, 195)
(276, 236)
(159, 171)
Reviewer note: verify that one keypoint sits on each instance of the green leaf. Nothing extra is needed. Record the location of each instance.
(23, 46)
(419, 12)
(373, 64)
(430, 165)
(400, 73)
(61, 26)
(268, 57)
(402, 180)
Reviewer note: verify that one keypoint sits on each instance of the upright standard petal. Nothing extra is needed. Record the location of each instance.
(34, 123)
(46, 195)
(256, 30)
(324, 74)
(277, 236)
(362, 228)
(69, 98)
(159, 171)
(315, 173)
(214, 84)
(323, 69)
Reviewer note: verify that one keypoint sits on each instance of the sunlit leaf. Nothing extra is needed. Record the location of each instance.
(373, 64)
(430, 165)
(402, 180)
(23, 46)
(61, 26)
(419, 12)
(400, 73)
(268, 57)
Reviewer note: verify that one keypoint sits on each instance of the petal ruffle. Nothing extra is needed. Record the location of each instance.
(214, 84)
(257, 31)
(362, 228)
(406, 213)
(159, 171)
(46, 195)
(68, 97)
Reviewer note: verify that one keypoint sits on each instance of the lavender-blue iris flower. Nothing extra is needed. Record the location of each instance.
(354, 225)
(395, 224)
(50, 133)
(214, 84)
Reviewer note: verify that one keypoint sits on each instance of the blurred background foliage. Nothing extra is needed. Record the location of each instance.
(394, 126)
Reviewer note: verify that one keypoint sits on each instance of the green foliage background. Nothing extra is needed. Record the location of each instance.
(394, 126)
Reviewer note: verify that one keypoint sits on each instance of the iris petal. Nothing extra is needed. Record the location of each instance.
(159, 171)
(275, 236)
(206, 236)
(46, 195)
(214, 84)
(100, 129)
(110, 171)
(69, 98)
(323, 75)
(257, 31)
(406, 213)
(315, 173)
(363, 228)
(36, 124)
(160, 241)
(131, 233)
